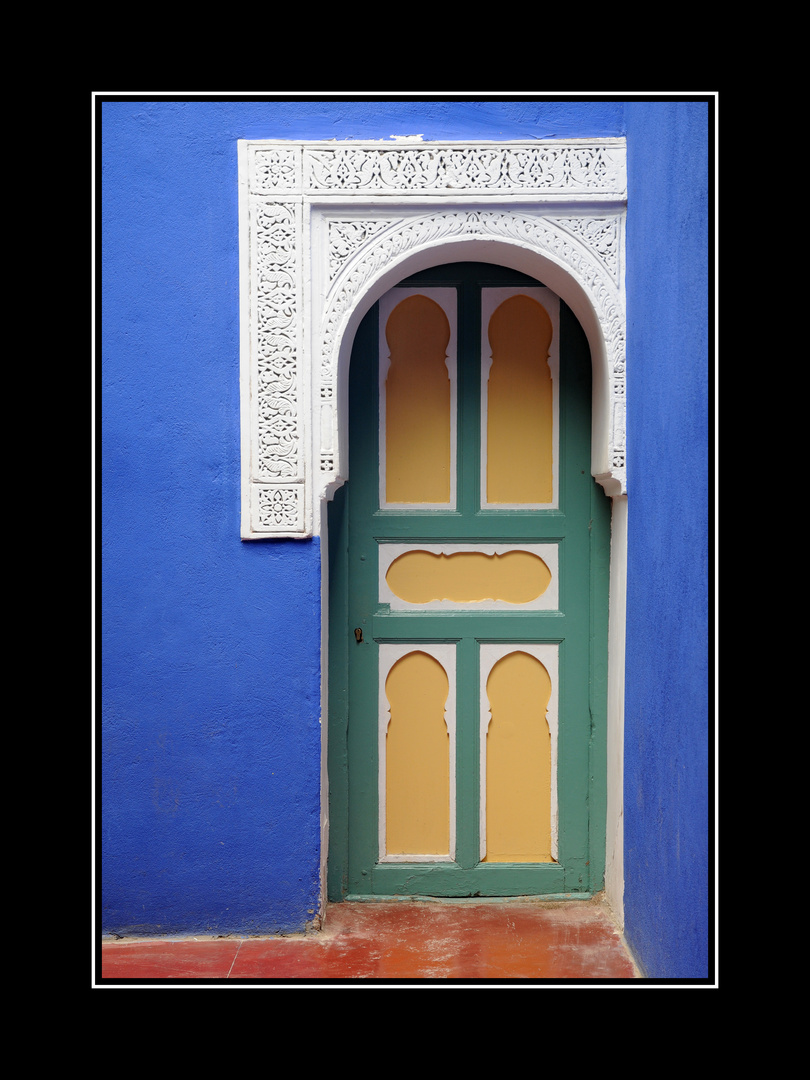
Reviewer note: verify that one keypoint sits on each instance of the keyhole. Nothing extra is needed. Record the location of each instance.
(358, 635)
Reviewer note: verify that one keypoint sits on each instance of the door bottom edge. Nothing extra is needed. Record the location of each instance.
(402, 898)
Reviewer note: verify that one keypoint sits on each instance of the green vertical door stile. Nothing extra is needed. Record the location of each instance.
(363, 714)
(467, 740)
(469, 396)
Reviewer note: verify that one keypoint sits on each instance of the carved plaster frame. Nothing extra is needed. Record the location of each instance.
(326, 228)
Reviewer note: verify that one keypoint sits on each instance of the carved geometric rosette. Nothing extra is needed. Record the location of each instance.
(291, 337)
(279, 508)
(274, 168)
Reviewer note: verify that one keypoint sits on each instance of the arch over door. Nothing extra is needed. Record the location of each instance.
(468, 569)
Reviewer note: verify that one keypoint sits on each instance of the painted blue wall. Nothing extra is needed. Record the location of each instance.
(210, 646)
(666, 810)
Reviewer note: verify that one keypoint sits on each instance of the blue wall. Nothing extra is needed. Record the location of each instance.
(666, 809)
(210, 646)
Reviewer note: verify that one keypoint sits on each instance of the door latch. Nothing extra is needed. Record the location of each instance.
(358, 635)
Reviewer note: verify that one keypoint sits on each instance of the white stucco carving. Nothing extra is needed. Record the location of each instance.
(327, 228)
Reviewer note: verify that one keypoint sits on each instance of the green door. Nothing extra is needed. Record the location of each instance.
(468, 599)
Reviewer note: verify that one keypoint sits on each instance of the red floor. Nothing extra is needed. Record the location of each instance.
(390, 941)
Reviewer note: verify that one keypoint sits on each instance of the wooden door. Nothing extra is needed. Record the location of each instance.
(468, 563)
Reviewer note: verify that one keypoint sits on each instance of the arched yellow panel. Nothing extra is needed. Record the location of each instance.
(417, 404)
(417, 757)
(518, 762)
(520, 414)
(518, 577)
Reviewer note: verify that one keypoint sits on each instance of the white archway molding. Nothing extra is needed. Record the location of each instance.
(327, 228)
(608, 458)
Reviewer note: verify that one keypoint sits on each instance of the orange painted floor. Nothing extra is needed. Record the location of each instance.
(506, 941)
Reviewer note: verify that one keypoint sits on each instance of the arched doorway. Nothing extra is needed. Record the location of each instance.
(468, 598)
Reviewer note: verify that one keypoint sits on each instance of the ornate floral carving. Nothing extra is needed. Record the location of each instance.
(277, 333)
(561, 167)
(602, 236)
(345, 237)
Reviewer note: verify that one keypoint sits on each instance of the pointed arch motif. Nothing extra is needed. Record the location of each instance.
(327, 228)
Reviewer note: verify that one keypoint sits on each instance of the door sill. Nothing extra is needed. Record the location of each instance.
(357, 898)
